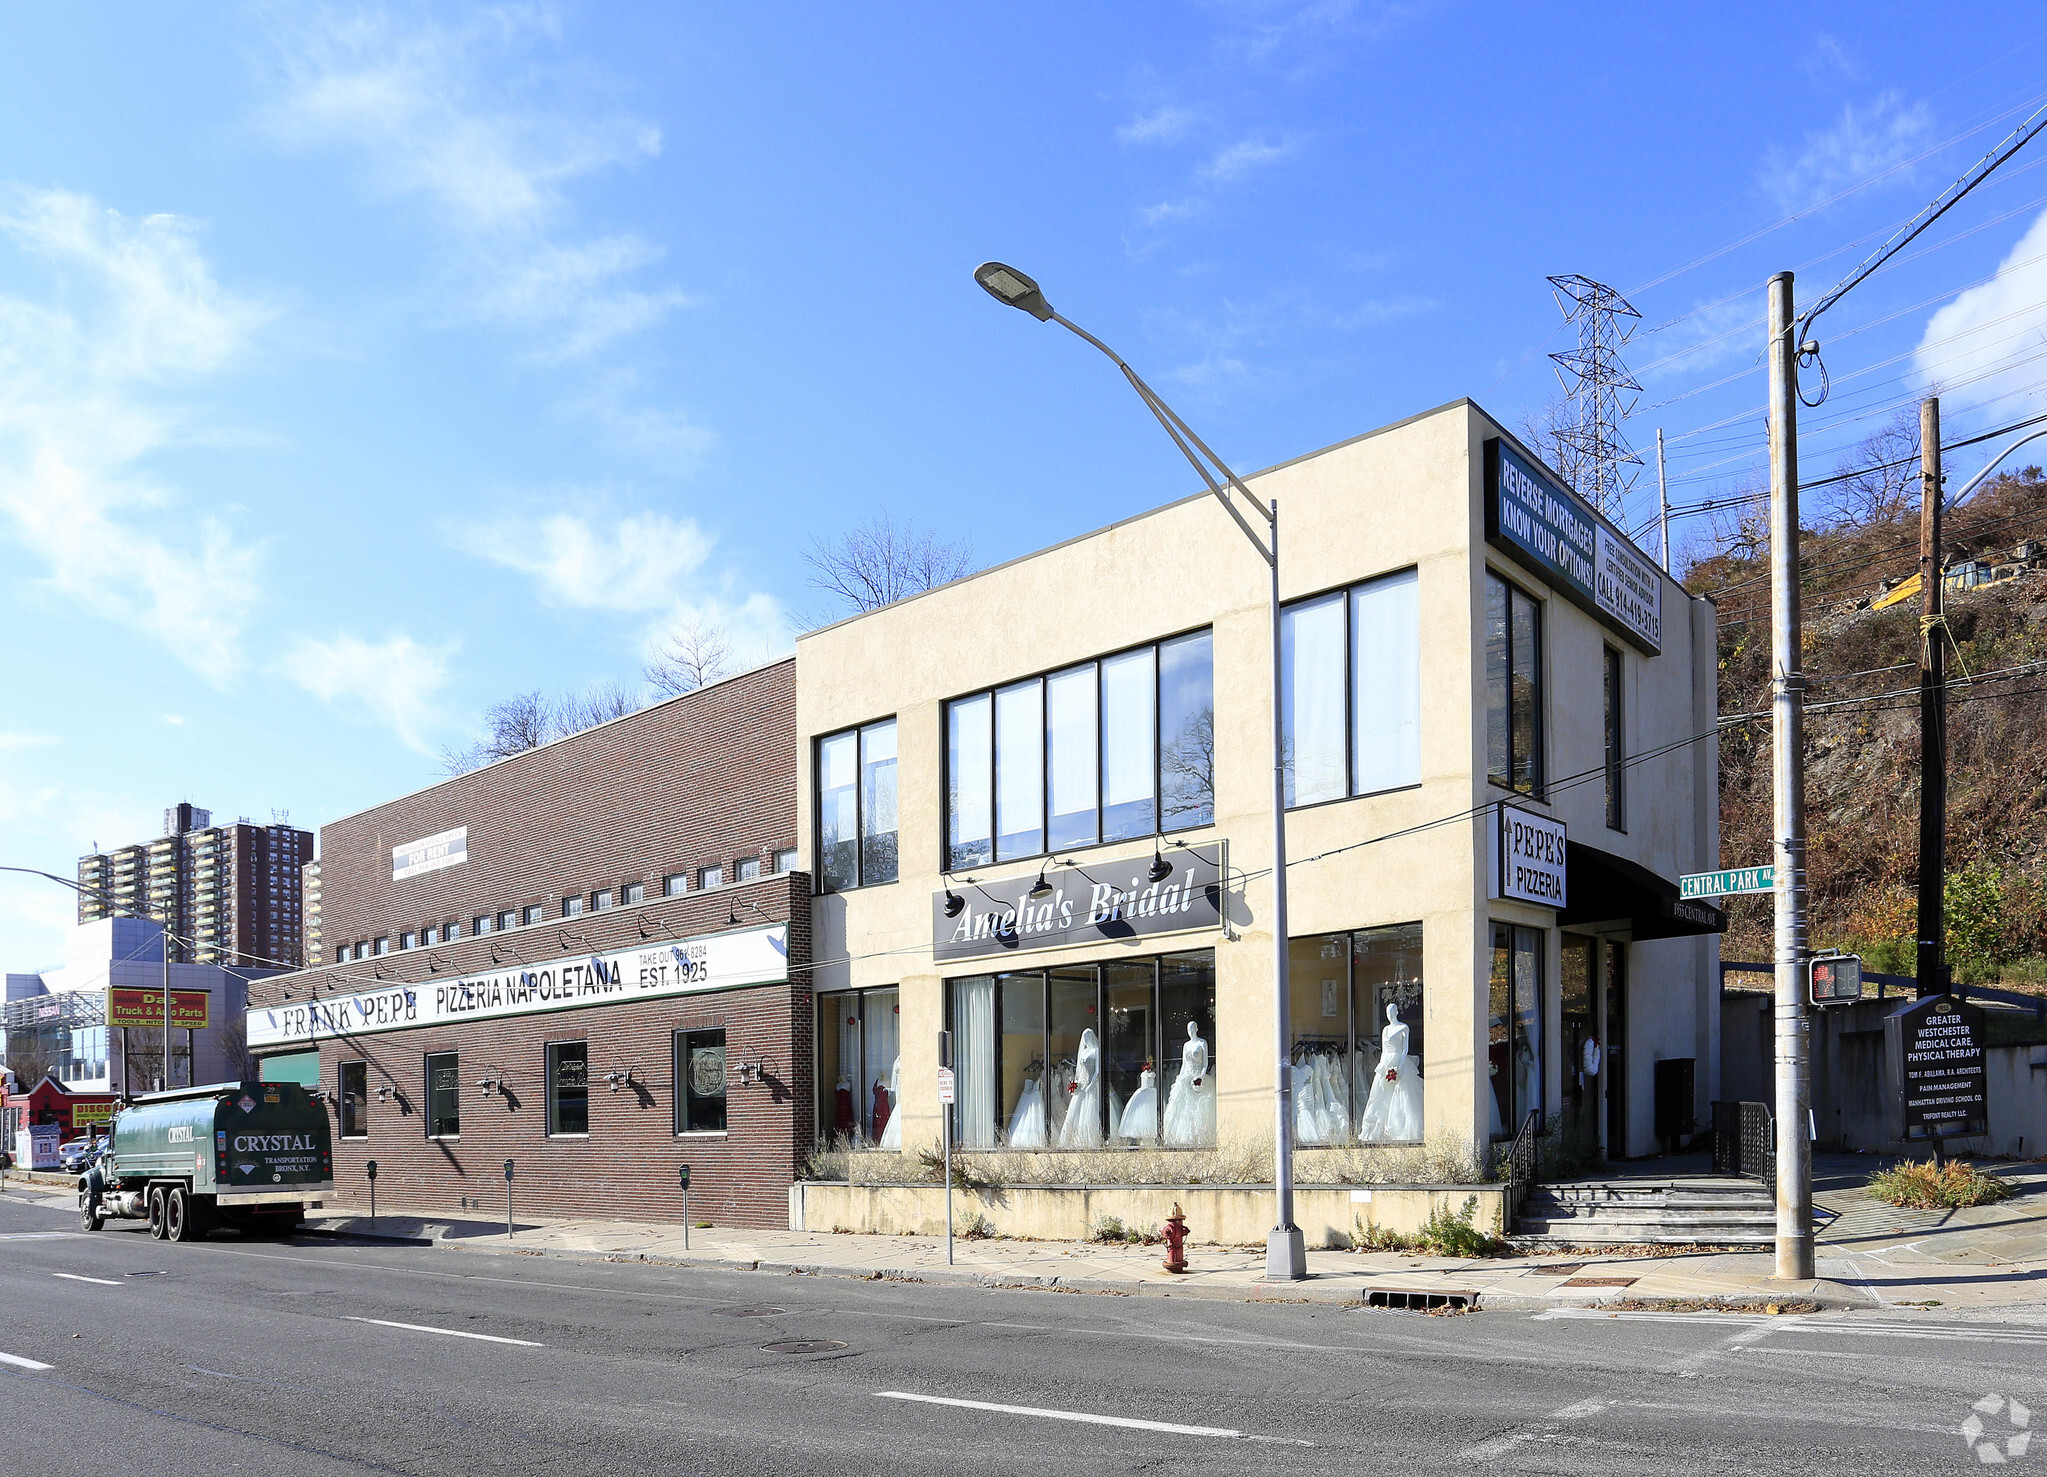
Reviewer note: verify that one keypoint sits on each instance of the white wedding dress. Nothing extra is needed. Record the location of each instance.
(1140, 1118)
(1027, 1123)
(892, 1131)
(1393, 1113)
(1082, 1127)
(1190, 1105)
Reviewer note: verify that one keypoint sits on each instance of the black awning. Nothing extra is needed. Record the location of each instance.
(1603, 887)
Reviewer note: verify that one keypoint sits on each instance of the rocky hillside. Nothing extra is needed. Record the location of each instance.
(1863, 733)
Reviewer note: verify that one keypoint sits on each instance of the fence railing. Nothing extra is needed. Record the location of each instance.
(1745, 1141)
(1524, 1164)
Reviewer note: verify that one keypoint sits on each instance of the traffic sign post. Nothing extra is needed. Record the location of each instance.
(945, 1097)
(1732, 882)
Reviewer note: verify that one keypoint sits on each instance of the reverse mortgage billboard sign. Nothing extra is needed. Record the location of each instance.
(1549, 529)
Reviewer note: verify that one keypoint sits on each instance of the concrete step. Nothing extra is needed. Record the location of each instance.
(1704, 1204)
(1540, 1231)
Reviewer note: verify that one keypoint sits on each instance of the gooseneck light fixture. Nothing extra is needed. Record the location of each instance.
(1161, 869)
(1285, 1252)
(1039, 889)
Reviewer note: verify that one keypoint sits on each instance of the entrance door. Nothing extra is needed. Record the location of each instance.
(1579, 1024)
(1614, 972)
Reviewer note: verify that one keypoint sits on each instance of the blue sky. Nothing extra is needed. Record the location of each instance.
(361, 366)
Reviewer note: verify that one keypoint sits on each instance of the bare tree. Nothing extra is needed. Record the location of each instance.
(879, 562)
(695, 653)
(526, 720)
(31, 1056)
(1883, 485)
(599, 703)
(1543, 431)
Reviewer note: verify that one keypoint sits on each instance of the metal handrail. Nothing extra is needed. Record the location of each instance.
(1524, 1163)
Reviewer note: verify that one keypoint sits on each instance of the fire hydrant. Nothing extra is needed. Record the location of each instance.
(1175, 1232)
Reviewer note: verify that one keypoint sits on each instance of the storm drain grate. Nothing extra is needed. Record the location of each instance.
(747, 1312)
(1401, 1297)
(1601, 1282)
(803, 1346)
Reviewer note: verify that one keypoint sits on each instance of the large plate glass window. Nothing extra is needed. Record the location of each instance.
(355, 1100)
(1350, 690)
(1105, 751)
(1514, 1046)
(1087, 1056)
(856, 806)
(568, 1087)
(858, 1076)
(700, 1081)
(1513, 648)
(1357, 1056)
(443, 1095)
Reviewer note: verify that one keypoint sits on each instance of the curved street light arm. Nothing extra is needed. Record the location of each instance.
(1991, 466)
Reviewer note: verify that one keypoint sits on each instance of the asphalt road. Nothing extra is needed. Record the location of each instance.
(314, 1356)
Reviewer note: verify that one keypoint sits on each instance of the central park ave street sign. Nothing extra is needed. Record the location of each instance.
(1728, 883)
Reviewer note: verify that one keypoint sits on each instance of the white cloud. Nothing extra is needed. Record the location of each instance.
(396, 682)
(474, 119)
(640, 562)
(12, 741)
(1979, 343)
(1242, 157)
(1867, 141)
(81, 411)
(1162, 125)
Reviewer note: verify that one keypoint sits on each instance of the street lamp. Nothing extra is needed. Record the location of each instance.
(1285, 1255)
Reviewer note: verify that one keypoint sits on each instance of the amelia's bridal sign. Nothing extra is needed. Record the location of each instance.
(1079, 904)
(719, 961)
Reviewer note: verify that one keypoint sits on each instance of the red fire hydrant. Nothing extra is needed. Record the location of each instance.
(1175, 1232)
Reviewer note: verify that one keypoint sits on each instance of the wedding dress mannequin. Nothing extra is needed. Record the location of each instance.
(1307, 1114)
(1393, 1114)
(892, 1133)
(1140, 1118)
(1082, 1127)
(1335, 1117)
(1027, 1123)
(1190, 1106)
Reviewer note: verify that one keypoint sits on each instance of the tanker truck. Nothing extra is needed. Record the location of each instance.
(253, 1156)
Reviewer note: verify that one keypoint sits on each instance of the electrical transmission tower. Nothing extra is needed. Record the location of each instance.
(1601, 390)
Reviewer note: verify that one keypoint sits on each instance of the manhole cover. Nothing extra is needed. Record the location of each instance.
(748, 1312)
(803, 1346)
(1601, 1282)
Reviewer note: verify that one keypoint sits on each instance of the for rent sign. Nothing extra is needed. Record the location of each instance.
(1528, 857)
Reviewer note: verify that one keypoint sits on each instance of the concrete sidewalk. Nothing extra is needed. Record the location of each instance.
(1870, 1255)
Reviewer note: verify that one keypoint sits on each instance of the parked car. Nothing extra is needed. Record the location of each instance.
(78, 1154)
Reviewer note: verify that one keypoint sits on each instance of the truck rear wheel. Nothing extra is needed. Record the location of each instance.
(156, 1212)
(179, 1224)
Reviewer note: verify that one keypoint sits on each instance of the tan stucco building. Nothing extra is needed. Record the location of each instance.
(1461, 633)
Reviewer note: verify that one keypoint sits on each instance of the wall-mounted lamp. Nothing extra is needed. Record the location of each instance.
(383, 1093)
(1161, 869)
(749, 1074)
(1041, 888)
(954, 903)
(731, 916)
(487, 1084)
(617, 1079)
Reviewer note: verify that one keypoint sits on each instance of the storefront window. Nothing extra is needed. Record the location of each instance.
(856, 807)
(858, 1066)
(1104, 751)
(1350, 673)
(700, 1081)
(1357, 1050)
(1513, 688)
(355, 1100)
(568, 1087)
(1514, 1027)
(1087, 1056)
(443, 1095)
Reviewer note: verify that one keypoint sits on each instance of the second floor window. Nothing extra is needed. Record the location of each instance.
(1104, 751)
(1513, 671)
(856, 806)
(1350, 691)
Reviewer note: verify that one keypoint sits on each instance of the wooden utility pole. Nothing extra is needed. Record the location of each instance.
(1932, 961)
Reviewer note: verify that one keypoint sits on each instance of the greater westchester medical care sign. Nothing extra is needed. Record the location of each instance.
(719, 961)
(1551, 530)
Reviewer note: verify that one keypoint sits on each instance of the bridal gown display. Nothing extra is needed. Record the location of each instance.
(1082, 1126)
(1318, 1102)
(1335, 1116)
(1140, 1118)
(1393, 1114)
(892, 1133)
(1190, 1105)
(1027, 1123)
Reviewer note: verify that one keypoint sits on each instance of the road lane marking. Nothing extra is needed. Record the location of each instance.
(1062, 1415)
(20, 1363)
(75, 1277)
(38, 1235)
(453, 1333)
(1507, 1440)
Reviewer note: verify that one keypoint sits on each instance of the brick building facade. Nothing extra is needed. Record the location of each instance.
(591, 958)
